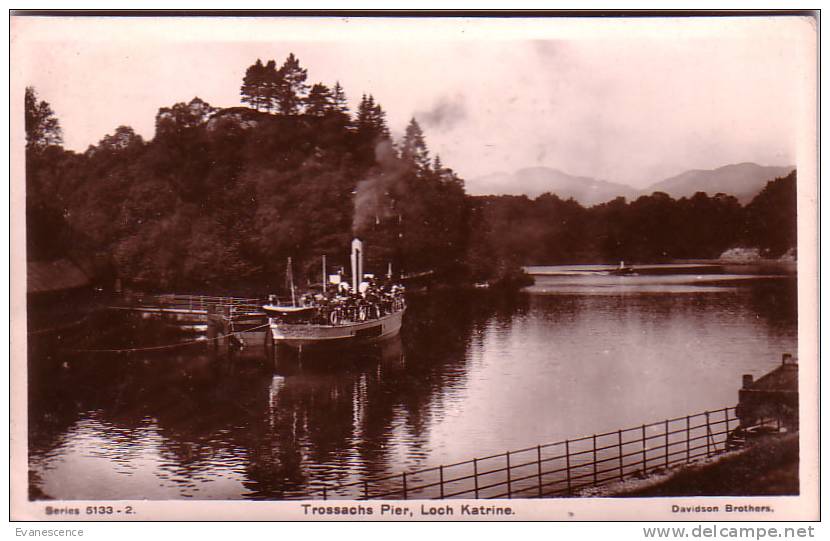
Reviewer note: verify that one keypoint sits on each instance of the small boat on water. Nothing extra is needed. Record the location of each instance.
(622, 270)
(365, 312)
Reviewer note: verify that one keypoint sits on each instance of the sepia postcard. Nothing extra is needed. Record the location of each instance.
(410, 267)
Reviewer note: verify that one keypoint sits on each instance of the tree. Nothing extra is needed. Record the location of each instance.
(292, 89)
(320, 100)
(445, 174)
(414, 148)
(42, 127)
(182, 116)
(124, 138)
(371, 120)
(253, 85)
(271, 83)
(339, 101)
(378, 116)
(772, 218)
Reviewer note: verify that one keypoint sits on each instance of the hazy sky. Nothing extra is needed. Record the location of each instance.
(630, 101)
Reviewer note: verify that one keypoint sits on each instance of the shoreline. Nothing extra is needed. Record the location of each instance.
(768, 467)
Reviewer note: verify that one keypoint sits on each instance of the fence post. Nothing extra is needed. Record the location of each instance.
(667, 443)
(475, 475)
(620, 451)
(726, 436)
(539, 467)
(708, 434)
(509, 488)
(441, 478)
(403, 476)
(568, 464)
(688, 437)
(594, 440)
(324, 493)
(365, 490)
(645, 458)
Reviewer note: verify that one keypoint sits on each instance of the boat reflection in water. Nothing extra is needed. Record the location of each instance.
(195, 425)
(191, 424)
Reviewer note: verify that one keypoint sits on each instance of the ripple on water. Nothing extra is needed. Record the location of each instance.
(478, 378)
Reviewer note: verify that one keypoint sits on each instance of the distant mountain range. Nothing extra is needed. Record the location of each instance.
(743, 180)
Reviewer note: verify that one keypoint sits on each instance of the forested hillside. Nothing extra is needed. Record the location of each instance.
(218, 199)
(654, 228)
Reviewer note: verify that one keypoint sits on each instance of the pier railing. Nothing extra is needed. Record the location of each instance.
(556, 469)
(193, 303)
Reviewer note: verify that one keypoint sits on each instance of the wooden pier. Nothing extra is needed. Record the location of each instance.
(224, 321)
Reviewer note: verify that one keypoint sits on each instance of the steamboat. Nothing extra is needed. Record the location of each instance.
(368, 310)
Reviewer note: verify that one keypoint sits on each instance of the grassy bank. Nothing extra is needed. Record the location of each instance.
(769, 467)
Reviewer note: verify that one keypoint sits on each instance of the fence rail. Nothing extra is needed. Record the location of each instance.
(193, 303)
(556, 469)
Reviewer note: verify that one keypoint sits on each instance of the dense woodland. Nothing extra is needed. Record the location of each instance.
(219, 199)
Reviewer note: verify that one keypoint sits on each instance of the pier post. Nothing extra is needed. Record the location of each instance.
(267, 339)
(708, 435)
(688, 436)
(225, 340)
(620, 451)
(475, 476)
(594, 439)
(568, 464)
(441, 478)
(214, 326)
(726, 419)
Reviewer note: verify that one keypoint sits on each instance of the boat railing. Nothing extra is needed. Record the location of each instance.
(335, 314)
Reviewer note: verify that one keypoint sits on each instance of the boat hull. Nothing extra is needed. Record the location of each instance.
(364, 332)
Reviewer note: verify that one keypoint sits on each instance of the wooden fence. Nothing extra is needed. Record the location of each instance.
(556, 469)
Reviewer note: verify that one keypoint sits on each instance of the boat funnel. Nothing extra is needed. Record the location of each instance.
(357, 263)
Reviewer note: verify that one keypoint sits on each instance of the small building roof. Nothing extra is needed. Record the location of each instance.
(783, 378)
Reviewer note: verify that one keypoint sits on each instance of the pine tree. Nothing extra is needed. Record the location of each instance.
(379, 121)
(292, 89)
(364, 114)
(271, 84)
(414, 149)
(438, 167)
(371, 120)
(339, 99)
(320, 100)
(445, 174)
(253, 85)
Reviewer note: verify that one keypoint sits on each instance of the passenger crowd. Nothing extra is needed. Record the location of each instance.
(339, 304)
